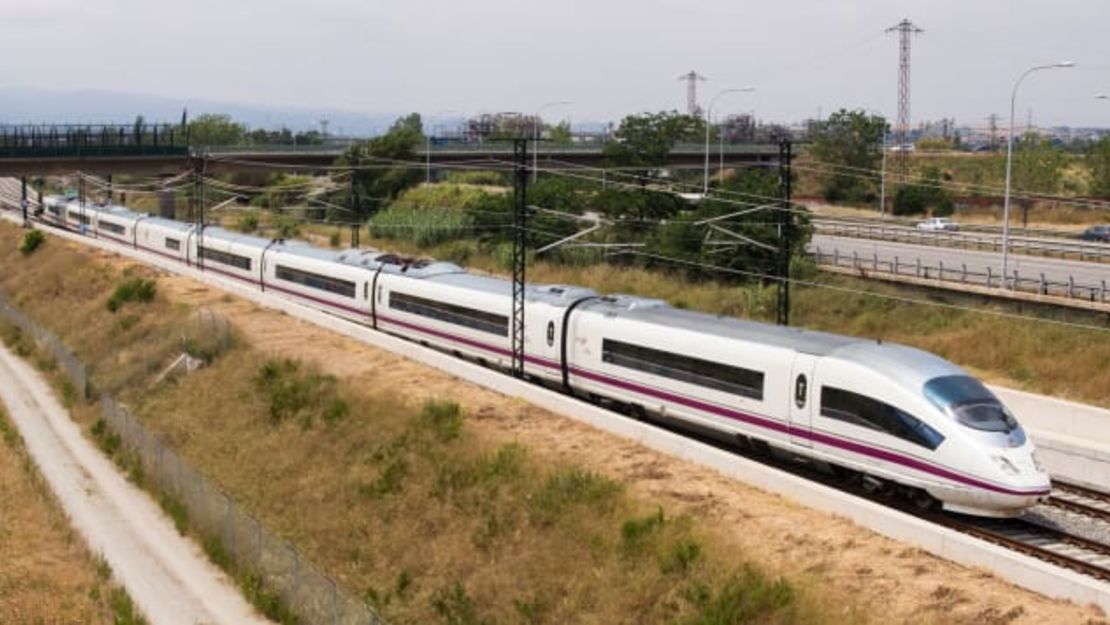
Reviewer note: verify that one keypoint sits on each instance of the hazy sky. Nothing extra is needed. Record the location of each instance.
(610, 57)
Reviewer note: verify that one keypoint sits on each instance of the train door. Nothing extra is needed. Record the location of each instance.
(802, 398)
(546, 343)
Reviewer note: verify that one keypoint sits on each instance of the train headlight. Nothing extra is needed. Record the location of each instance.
(1006, 465)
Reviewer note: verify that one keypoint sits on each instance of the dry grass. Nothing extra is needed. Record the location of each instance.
(46, 573)
(401, 501)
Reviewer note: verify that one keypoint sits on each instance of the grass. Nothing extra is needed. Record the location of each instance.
(47, 575)
(505, 532)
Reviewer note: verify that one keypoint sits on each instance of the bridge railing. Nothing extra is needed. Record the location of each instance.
(39, 141)
(913, 267)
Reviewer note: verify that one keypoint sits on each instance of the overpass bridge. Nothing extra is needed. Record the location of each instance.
(165, 150)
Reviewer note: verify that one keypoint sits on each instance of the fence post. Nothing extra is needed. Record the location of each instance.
(836, 256)
(964, 278)
(1103, 297)
(896, 264)
(1071, 287)
(918, 272)
(940, 270)
(855, 260)
(1017, 281)
(990, 278)
(1044, 285)
(875, 261)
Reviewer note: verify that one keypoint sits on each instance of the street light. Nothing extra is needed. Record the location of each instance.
(428, 147)
(536, 136)
(708, 112)
(1010, 160)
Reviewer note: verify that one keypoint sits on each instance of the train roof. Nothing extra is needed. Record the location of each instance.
(215, 232)
(169, 224)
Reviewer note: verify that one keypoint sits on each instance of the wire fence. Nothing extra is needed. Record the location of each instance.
(224, 526)
(74, 369)
(959, 273)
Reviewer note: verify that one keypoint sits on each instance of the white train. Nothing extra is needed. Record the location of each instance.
(894, 415)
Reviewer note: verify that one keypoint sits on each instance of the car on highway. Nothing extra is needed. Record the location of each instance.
(937, 224)
(1100, 233)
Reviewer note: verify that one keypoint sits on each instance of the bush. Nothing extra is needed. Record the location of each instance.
(132, 290)
(746, 597)
(916, 199)
(248, 223)
(32, 241)
(292, 392)
(444, 418)
(569, 488)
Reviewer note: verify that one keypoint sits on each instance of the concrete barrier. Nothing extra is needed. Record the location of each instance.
(1019, 569)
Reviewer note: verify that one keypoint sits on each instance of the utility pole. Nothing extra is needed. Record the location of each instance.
(906, 30)
(786, 233)
(520, 241)
(198, 207)
(692, 78)
(993, 119)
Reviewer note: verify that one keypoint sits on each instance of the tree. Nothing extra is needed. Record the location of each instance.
(852, 142)
(646, 140)
(1038, 165)
(374, 186)
(1099, 159)
(216, 129)
(928, 195)
(560, 134)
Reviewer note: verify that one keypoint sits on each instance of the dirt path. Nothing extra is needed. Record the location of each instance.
(166, 574)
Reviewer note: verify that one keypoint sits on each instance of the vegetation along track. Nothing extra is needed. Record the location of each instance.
(1085, 556)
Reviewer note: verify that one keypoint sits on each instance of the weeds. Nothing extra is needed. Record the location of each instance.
(748, 596)
(388, 482)
(123, 609)
(444, 418)
(456, 607)
(138, 290)
(635, 532)
(248, 223)
(32, 241)
(269, 603)
(176, 510)
(291, 392)
(571, 487)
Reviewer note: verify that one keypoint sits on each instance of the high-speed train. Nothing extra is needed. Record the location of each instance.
(898, 417)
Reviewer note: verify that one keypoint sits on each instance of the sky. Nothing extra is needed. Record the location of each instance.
(608, 58)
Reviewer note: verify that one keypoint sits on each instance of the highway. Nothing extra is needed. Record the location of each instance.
(954, 260)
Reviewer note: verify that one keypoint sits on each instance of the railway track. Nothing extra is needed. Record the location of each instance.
(1080, 500)
(1061, 548)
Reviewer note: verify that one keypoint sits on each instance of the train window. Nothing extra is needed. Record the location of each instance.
(224, 258)
(801, 389)
(110, 227)
(550, 333)
(971, 403)
(173, 244)
(345, 288)
(871, 413)
(366, 290)
(451, 313)
(714, 375)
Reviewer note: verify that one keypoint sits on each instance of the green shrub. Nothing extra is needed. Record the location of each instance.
(248, 223)
(747, 597)
(123, 609)
(571, 487)
(444, 418)
(635, 532)
(32, 241)
(681, 556)
(388, 482)
(455, 607)
(132, 290)
(176, 510)
(291, 392)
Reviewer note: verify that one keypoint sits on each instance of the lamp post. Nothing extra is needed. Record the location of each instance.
(1010, 160)
(708, 112)
(536, 136)
(428, 148)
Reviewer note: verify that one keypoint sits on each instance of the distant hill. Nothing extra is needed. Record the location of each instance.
(19, 105)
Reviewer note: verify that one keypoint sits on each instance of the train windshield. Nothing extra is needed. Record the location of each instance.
(970, 403)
